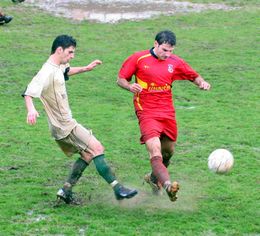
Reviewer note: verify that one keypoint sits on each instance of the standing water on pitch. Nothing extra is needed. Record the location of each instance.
(113, 11)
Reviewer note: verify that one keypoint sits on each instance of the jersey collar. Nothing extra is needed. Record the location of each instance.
(152, 53)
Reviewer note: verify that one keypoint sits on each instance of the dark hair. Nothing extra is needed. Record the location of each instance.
(64, 41)
(167, 37)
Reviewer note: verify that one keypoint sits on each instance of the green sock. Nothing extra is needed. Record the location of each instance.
(103, 169)
(78, 167)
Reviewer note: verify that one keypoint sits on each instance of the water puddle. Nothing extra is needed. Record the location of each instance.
(113, 11)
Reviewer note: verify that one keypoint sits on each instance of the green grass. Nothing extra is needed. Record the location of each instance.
(222, 46)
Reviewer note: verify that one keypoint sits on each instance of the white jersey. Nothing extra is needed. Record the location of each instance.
(49, 86)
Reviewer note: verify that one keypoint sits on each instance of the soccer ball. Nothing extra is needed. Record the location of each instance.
(220, 161)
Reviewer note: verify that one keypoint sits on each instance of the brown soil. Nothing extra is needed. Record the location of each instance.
(112, 11)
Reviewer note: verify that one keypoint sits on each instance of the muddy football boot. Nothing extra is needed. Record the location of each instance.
(5, 19)
(172, 190)
(122, 192)
(66, 196)
(154, 184)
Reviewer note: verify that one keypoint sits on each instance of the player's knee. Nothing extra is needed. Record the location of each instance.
(98, 149)
(87, 157)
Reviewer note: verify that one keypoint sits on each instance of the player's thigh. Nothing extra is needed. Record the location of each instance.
(94, 148)
(86, 141)
(153, 146)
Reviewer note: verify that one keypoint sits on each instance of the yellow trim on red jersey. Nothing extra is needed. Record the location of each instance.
(147, 55)
(143, 84)
(138, 102)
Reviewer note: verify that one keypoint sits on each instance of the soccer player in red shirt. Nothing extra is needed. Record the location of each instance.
(155, 70)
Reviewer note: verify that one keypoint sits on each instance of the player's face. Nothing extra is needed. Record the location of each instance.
(67, 54)
(163, 51)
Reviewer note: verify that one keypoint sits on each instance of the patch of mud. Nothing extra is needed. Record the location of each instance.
(112, 11)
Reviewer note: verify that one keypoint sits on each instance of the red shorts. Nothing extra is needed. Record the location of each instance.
(151, 127)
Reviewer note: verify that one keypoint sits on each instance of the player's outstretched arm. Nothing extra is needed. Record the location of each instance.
(32, 113)
(81, 69)
(201, 83)
(134, 88)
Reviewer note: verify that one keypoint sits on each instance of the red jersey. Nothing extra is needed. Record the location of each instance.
(156, 78)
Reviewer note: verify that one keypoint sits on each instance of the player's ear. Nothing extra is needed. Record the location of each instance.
(59, 50)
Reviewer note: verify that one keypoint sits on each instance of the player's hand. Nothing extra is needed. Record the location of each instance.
(93, 64)
(135, 88)
(204, 85)
(32, 117)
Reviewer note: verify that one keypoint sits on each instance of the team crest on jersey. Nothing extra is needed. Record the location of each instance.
(170, 68)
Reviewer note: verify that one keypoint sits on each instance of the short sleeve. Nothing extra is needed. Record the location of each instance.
(41, 80)
(184, 72)
(128, 68)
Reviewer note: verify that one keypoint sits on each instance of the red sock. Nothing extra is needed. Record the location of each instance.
(159, 170)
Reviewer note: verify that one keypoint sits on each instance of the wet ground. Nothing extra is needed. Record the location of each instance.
(112, 11)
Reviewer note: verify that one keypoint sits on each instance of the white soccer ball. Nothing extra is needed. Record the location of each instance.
(220, 161)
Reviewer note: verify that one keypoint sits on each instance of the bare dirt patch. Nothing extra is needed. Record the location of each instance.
(112, 11)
